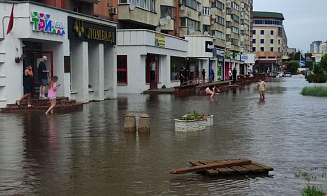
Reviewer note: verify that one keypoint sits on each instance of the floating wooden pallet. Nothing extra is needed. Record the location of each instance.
(224, 167)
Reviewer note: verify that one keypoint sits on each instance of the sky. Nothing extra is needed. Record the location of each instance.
(305, 20)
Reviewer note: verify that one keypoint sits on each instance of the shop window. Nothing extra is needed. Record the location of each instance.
(176, 64)
(121, 69)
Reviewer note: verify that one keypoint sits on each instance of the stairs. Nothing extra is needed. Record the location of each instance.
(41, 106)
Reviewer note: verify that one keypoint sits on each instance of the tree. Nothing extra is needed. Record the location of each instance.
(293, 66)
(323, 62)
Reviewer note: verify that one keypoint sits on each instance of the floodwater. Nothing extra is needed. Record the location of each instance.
(87, 152)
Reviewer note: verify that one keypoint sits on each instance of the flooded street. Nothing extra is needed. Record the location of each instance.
(87, 152)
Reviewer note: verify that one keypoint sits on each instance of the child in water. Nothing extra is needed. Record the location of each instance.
(52, 95)
(212, 90)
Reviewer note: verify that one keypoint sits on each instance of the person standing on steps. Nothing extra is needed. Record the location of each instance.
(52, 95)
(234, 75)
(182, 76)
(212, 75)
(230, 74)
(262, 89)
(43, 76)
(204, 75)
(27, 83)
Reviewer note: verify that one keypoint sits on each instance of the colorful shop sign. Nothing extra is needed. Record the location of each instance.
(42, 22)
(92, 32)
(159, 40)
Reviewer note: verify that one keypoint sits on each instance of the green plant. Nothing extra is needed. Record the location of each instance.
(318, 91)
(293, 66)
(195, 116)
(309, 190)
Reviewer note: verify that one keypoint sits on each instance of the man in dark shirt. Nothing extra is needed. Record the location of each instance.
(43, 76)
(234, 75)
(182, 76)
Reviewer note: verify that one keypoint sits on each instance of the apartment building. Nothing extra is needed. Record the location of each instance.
(80, 47)
(209, 27)
(315, 47)
(269, 41)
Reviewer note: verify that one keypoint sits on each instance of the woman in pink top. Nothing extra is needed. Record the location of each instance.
(52, 95)
(212, 90)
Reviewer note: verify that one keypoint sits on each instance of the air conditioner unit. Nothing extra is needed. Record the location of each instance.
(180, 2)
(113, 10)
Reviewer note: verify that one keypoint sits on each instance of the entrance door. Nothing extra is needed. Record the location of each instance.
(152, 69)
(227, 67)
(192, 71)
(36, 59)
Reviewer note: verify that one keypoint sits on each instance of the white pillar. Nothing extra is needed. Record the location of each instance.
(96, 70)
(80, 69)
(110, 72)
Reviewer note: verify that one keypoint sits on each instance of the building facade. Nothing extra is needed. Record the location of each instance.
(81, 51)
(315, 47)
(269, 41)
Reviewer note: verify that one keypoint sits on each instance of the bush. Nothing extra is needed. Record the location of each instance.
(312, 191)
(293, 66)
(318, 91)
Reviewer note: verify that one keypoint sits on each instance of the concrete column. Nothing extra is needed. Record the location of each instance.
(80, 69)
(110, 69)
(96, 70)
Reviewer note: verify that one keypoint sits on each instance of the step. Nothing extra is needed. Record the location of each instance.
(35, 101)
(42, 109)
(46, 104)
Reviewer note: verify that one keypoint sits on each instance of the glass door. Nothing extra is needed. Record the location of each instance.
(152, 71)
(36, 59)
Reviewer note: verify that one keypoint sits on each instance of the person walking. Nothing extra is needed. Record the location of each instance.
(212, 75)
(52, 95)
(262, 89)
(43, 76)
(230, 74)
(234, 75)
(27, 83)
(204, 75)
(182, 76)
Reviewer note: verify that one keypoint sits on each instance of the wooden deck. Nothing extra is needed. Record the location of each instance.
(225, 167)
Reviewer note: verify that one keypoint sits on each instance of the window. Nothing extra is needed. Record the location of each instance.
(235, 6)
(206, 11)
(207, 28)
(253, 49)
(228, 24)
(218, 34)
(271, 49)
(235, 30)
(280, 31)
(149, 5)
(235, 18)
(246, 27)
(253, 41)
(175, 66)
(253, 31)
(183, 22)
(192, 4)
(166, 11)
(262, 32)
(193, 23)
(220, 20)
(234, 42)
(279, 41)
(271, 41)
(262, 49)
(218, 4)
(121, 69)
(246, 16)
(268, 22)
(262, 41)
(278, 49)
(272, 32)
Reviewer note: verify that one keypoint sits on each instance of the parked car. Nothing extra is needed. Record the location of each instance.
(288, 74)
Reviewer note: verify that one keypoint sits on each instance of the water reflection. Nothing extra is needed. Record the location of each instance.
(87, 152)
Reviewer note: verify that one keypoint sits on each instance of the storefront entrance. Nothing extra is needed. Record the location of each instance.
(152, 70)
(33, 56)
(227, 67)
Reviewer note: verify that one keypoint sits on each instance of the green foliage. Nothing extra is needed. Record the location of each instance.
(293, 66)
(309, 65)
(312, 191)
(323, 62)
(318, 91)
(319, 75)
(195, 116)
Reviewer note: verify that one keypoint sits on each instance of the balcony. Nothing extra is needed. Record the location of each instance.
(138, 15)
(91, 1)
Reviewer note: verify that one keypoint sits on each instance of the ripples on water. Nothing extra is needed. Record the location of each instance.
(87, 152)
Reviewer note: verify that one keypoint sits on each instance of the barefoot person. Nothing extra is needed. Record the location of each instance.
(52, 95)
(212, 90)
(27, 83)
(262, 88)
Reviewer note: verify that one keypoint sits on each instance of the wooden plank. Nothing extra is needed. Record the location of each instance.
(240, 169)
(263, 166)
(226, 170)
(211, 166)
(195, 163)
(254, 168)
(211, 172)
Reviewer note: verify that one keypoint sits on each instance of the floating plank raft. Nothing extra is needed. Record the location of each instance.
(217, 167)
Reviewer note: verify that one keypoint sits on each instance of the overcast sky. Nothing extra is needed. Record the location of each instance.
(305, 20)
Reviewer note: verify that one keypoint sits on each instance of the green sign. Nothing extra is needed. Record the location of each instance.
(230, 55)
(218, 71)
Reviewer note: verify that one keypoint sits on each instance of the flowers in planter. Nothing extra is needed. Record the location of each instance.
(195, 116)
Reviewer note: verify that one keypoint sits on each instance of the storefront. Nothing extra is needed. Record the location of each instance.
(80, 52)
(149, 60)
(249, 61)
(219, 55)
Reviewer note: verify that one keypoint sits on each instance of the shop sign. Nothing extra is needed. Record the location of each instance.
(244, 58)
(42, 22)
(209, 46)
(92, 32)
(219, 54)
(309, 58)
(159, 40)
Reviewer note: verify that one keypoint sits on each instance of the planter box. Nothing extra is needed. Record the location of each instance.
(191, 125)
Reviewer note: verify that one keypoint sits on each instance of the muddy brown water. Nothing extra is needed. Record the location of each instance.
(87, 152)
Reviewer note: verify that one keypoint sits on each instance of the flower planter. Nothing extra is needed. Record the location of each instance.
(193, 125)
